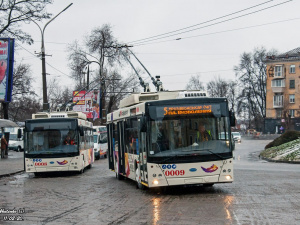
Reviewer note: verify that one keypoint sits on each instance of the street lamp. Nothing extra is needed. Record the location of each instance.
(45, 101)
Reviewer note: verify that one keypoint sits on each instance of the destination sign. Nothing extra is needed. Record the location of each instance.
(187, 110)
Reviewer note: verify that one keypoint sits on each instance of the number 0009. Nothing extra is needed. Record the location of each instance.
(174, 173)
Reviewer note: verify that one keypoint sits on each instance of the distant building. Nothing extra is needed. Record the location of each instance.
(283, 98)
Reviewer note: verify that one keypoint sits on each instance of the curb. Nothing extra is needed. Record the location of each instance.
(10, 174)
(279, 161)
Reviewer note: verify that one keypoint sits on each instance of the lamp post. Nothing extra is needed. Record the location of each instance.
(45, 101)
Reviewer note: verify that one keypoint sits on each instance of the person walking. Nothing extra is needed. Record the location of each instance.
(3, 146)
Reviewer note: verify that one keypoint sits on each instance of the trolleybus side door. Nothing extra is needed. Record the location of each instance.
(110, 152)
(121, 148)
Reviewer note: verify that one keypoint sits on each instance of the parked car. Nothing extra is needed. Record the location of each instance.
(222, 136)
(251, 131)
(237, 136)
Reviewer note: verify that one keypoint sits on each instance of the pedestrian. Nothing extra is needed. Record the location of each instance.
(3, 146)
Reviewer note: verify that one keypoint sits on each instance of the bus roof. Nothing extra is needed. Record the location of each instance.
(7, 123)
(67, 114)
(137, 98)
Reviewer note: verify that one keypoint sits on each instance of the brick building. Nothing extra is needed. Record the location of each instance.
(283, 98)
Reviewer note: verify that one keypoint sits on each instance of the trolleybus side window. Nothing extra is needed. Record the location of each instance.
(131, 135)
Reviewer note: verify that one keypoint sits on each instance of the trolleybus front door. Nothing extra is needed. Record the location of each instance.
(143, 157)
(110, 136)
(121, 148)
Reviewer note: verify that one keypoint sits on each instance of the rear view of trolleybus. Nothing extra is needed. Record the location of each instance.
(171, 138)
(58, 141)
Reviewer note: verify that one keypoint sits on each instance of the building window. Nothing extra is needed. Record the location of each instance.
(278, 100)
(292, 69)
(278, 71)
(292, 84)
(292, 98)
(292, 113)
(278, 83)
(278, 113)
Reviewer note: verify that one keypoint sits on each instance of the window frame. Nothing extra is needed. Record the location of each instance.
(292, 100)
(290, 84)
(292, 69)
(292, 113)
(275, 81)
(279, 99)
(278, 73)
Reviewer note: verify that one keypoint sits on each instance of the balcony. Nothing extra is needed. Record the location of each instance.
(278, 89)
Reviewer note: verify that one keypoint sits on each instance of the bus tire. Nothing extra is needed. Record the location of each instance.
(19, 149)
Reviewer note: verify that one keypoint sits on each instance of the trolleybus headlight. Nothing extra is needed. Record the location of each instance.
(155, 182)
(228, 177)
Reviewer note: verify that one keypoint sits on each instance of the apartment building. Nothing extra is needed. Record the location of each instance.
(283, 88)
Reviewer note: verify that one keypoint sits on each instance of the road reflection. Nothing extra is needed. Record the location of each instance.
(228, 200)
(156, 210)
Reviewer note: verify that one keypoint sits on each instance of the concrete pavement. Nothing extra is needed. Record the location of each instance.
(13, 164)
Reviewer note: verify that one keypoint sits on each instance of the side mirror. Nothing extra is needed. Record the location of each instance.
(232, 118)
(143, 124)
(19, 133)
(81, 130)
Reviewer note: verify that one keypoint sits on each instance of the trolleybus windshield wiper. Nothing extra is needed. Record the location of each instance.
(171, 157)
(206, 149)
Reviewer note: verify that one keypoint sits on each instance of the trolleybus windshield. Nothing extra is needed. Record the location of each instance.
(51, 139)
(189, 131)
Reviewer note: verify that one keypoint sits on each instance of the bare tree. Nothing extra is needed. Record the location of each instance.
(222, 88)
(24, 101)
(14, 12)
(195, 83)
(217, 87)
(59, 94)
(103, 49)
(232, 95)
(118, 88)
(251, 73)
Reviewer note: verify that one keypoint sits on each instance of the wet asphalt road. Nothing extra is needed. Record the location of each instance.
(262, 193)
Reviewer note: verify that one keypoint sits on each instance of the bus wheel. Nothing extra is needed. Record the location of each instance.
(19, 149)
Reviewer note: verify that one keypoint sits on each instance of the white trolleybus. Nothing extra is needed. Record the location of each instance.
(58, 141)
(171, 138)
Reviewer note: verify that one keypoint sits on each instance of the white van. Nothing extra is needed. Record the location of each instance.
(15, 143)
(100, 144)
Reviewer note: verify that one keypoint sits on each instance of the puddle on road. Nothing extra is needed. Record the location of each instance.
(19, 180)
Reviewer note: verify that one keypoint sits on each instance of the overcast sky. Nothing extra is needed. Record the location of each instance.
(209, 51)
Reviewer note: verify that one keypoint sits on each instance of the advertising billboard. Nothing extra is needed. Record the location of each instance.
(87, 102)
(6, 68)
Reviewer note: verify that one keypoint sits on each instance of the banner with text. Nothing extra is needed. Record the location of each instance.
(87, 102)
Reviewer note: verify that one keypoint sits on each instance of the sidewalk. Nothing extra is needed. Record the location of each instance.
(13, 164)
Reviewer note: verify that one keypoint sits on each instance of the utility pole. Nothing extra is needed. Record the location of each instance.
(45, 99)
